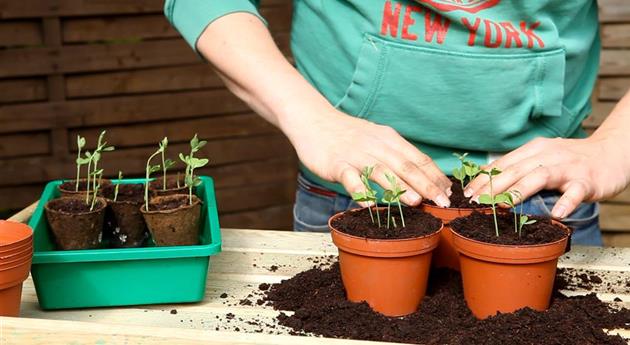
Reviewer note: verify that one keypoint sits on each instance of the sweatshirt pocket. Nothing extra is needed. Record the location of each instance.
(453, 99)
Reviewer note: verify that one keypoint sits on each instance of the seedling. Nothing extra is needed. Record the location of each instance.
(80, 161)
(520, 220)
(193, 163)
(524, 220)
(393, 196)
(120, 176)
(369, 195)
(467, 171)
(101, 146)
(97, 176)
(166, 163)
(148, 171)
(491, 199)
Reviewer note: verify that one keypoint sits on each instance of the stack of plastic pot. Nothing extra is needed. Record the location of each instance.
(16, 254)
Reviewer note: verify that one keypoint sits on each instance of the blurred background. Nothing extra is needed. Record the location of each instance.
(71, 67)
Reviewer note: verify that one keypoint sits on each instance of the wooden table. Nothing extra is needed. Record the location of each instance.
(245, 262)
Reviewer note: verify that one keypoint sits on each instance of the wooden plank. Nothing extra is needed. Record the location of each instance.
(613, 89)
(150, 26)
(176, 78)
(615, 35)
(118, 110)
(22, 90)
(614, 62)
(178, 131)
(255, 196)
(275, 217)
(601, 110)
(94, 57)
(24, 215)
(67, 8)
(611, 11)
(615, 217)
(24, 144)
(616, 239)
(20, 33)
(132, 161)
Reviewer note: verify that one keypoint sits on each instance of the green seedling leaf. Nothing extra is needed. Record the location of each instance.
(80, 142)
(461, 157)
(503, 198)
(169, 163)
(360, 197)
(183, 158)
(459, 174)
(194, 142)
(108, 149)
(154, 168)
(486, 199)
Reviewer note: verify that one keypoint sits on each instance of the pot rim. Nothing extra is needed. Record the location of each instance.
(196, 201)
(453, 209)
(367, 239)
(101, 200)
(553, 221)
(103, 181)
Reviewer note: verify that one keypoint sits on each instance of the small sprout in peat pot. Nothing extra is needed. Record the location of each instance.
(80, 161)
(393, 196)
(193, 163)
(166, 163)
(369, 195)
(491, 199)
(120, 176)
(148, 171)
(97, 176)
(101, 146)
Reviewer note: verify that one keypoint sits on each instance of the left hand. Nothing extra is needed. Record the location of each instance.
(581, 169)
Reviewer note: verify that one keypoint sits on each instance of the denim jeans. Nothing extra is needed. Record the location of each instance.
(314, 204)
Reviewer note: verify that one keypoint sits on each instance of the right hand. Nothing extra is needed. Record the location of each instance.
(336, 147)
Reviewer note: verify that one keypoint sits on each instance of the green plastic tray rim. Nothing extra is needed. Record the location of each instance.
(213, 245)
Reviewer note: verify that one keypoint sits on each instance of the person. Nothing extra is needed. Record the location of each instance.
(402, 84)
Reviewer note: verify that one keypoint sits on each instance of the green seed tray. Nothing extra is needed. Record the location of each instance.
(128, 276)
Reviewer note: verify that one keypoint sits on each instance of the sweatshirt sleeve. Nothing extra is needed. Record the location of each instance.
(191, 17)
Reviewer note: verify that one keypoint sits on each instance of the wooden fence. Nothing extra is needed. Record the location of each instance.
(79, 66)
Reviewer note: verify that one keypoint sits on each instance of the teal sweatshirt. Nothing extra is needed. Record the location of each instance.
(477, 76)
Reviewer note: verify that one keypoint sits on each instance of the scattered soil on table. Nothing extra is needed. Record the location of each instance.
(126, 192)
(173, 311)
(317, 298)
(73, 205)
(223, 295)
(480, 227)
(457, 198)
(358, 223)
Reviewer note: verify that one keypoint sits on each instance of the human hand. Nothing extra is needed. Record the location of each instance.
(582, 169)
(336, 146)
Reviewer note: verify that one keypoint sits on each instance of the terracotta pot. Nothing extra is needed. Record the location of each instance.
(14, 235)
(155, 186)
(445, 254)
(67, 189)
(11, 280)
(18, 258)
(14, 249)
(74, 231)
(390, 275)
(10, 300)
(177, 226)
(505, 278)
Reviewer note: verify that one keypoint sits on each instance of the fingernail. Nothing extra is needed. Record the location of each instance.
(468, 192)
(442, 201)
(559, 212)
(449, 192)
(411, 198)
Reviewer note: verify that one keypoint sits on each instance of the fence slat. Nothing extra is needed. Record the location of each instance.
(20, 33)
(23, 90)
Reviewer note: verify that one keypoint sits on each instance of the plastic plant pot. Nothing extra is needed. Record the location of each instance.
(445, 254)
(14, 235)
(14, 250)
(390, 275)
(11, 279)
(505, 278)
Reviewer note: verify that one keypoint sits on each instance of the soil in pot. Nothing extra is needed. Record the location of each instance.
(125, 226)
(68, 188)
(387, 268)
(445, 254)
(317, 298)
(172, 186)
(507, 272)
(73, 225)
(172, 220)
